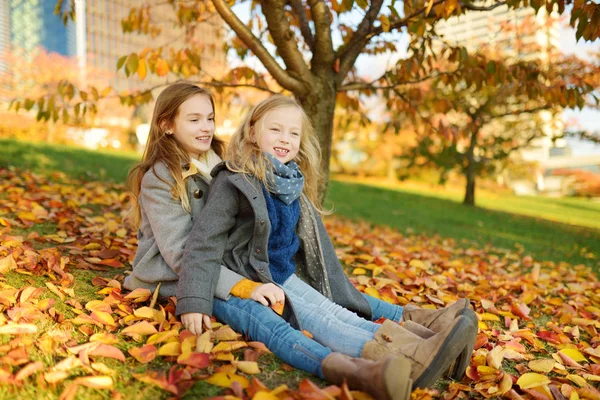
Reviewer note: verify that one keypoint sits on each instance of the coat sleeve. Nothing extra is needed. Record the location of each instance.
(205, 246)
(171, 225)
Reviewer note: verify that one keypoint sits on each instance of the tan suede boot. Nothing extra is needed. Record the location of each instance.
(430, 357)
(457, 368)
(436, 320)
(388, 379)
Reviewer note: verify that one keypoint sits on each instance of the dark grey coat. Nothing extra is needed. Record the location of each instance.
(163, 230)
(233, 229)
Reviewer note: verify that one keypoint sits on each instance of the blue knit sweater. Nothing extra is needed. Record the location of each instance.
(283, 240)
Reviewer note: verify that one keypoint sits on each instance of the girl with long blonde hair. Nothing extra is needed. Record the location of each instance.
(260, 221)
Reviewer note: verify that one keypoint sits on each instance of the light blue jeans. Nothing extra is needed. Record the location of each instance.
(330, 324)
(383, 309)
(260, 323)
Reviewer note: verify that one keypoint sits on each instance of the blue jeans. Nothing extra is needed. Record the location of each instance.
(262, 324)
(330, 324)
(383, 309)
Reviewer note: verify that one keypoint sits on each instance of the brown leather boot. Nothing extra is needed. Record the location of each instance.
(430, 357)
(388, 379)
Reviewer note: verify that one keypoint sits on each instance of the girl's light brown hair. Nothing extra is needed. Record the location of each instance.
(165, 148)
(245, 156)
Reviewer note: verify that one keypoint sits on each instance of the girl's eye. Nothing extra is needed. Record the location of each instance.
(296, 133)
(275, 129)
(194, 120)
(211, 119)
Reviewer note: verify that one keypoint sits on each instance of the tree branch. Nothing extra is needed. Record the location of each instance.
(323, 51)
(247, 37)
(526, 111)
(351, 86)
(284, 39)
(359, 39)
(394, 25)
(303, 22)
(470, 6)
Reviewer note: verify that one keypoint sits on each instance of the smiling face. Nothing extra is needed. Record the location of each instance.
(194, 125)
(278, 133)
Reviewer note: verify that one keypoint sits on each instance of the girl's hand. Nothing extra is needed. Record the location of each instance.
(268, 294)
(193, 322)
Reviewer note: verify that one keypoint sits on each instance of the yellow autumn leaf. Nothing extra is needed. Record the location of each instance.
(590, 377)
(247, 367)
(221, 356)
(359, 271)
(170, 349)
(103, 317)
(531, 379)
(225, 380)
(489, 317)
(141, 328)
(7, 264)
(188, 345)
(225, 333)
(542, 365)
(204, 343)
(55, 376)
(162, 336)
(144, 312)
(574, 354)
(95, 382)
(372, 292)
(229, 346)
(264, 396)
(578, 380)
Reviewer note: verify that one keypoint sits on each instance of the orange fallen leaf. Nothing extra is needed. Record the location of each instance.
(143, 354)
(28, 370)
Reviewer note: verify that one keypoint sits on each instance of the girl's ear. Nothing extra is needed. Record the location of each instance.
(251, 135)
(164, 125)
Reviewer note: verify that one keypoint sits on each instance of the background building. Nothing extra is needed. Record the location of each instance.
(522, 34)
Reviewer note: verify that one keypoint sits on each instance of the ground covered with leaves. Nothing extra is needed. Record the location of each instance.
(68, 329)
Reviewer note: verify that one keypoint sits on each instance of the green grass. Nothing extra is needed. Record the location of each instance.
(75, 162)
(569, 210)
(420, 213)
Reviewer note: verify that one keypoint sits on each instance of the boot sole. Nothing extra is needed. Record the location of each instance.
(449, 351)
(457, 371)
(397, 378)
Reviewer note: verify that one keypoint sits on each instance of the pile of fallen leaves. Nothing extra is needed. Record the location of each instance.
(539, 321)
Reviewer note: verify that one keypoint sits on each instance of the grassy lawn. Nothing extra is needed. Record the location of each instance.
(426, 213)
(74, 161)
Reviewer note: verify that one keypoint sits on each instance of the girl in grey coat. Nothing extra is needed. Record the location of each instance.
(170, 189)
(260, 221)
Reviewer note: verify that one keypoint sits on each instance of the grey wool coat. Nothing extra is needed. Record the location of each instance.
(163, 231)
(233, 230)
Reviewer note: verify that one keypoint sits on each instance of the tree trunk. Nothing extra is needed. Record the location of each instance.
(319, 105)
(470, 171)
(469, 199)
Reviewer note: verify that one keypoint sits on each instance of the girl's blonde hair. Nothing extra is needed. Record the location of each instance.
(245, 156)
(165, 148)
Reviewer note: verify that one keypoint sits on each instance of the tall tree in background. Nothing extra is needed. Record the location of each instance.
(310, 48)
